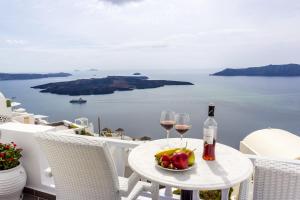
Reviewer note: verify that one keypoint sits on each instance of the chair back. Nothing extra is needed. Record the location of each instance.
(82, 167)
(276, 180)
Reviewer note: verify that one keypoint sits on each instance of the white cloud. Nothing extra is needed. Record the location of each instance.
(166, 34)
(120, 1)
(15, 42)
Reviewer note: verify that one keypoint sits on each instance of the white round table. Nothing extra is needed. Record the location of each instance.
(230, 168)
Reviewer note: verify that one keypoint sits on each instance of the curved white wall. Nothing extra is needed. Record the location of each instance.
(3, 108)
(272, 143)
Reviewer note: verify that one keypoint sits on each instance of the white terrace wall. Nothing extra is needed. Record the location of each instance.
(35, 162)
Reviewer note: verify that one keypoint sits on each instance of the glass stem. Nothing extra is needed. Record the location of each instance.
(181, 139)
(168, 140)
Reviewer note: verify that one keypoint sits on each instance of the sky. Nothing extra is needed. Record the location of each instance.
(55, 36)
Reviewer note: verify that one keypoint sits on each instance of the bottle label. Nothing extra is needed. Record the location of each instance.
(208, 135)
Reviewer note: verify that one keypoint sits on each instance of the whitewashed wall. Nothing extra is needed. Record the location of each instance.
(35, 162)
(3, 108)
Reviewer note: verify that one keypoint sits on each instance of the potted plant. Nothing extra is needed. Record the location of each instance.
(12, 174)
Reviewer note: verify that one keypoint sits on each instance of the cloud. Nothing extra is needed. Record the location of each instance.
(139, 45)
(15, 42)
(147, 33)
(119, 2)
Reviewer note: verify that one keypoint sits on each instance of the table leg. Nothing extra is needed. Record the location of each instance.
(225, 193)
(155, 191)
(196, 195)
(186, 195)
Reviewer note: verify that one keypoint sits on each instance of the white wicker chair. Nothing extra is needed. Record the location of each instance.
(273, 180)
(83, 169)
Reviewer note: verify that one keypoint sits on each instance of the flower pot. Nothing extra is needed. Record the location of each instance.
(12, 182)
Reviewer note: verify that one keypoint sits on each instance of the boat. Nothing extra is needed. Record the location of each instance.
(78, 101)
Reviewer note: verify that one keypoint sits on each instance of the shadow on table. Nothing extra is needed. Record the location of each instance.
(218, 170)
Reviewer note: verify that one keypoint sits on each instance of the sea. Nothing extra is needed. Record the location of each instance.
(243, 104)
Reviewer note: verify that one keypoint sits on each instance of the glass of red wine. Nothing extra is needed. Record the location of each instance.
(167, 121)
(182, 124)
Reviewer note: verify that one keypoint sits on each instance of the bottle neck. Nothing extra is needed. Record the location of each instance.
(211, 111)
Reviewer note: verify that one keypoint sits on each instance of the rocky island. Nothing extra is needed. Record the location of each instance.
(269, 70)
(7, 76)
(107, 85)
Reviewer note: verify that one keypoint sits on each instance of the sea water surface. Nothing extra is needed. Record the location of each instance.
(243, 104)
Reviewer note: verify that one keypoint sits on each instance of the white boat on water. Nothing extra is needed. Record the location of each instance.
(78, 101)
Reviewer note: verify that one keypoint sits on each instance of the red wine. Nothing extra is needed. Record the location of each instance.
(210, 135)
(167, 124)
(182, 129)
(209, 151)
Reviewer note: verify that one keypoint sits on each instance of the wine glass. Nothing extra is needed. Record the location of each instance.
(167, 121)
(182, 124)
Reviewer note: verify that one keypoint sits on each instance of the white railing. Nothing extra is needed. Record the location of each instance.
(36, 165)
(35, 162)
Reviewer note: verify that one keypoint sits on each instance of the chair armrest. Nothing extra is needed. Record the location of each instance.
(285, 160)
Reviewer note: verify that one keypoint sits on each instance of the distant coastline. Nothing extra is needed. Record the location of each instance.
(19, 76)
(285, 70)
(107, 85)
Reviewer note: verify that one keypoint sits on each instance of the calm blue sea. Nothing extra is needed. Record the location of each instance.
(243, 104)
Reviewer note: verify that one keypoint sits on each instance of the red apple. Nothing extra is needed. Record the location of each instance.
(180, 160)
(165, 160)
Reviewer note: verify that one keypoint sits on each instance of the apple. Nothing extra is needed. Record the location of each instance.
(165, 160)
(180, 160)
(190, 154)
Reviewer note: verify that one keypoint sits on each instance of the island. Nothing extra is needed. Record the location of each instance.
(107, 85)
(137, 73)
(269, 70)
(7, 76)
(93, 70)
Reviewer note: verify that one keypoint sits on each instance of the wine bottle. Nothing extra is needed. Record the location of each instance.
(210, 134)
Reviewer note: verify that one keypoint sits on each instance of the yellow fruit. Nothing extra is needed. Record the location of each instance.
(168, 152)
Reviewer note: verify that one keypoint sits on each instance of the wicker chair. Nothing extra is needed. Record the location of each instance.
(273, 180)
(83, 169)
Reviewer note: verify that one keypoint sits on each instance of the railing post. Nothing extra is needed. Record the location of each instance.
(225, 193)
(155, 191)
(168, 191)
(119, 157)
(196, 195)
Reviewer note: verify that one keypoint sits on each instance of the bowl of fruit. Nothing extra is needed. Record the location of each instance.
(175, 159)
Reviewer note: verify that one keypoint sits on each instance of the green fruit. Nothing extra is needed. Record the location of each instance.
(191, 159)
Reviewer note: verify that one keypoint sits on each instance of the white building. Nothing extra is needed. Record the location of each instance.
(5, 111)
